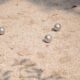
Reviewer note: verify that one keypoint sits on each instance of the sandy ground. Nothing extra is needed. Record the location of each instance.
(23, 54)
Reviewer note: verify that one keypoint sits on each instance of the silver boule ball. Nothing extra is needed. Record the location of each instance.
(2, 30)
(56, 27)
(47, 38)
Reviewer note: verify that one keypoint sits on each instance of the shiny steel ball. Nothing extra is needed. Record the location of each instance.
(56, 27)
(2, 30)
(47, 38)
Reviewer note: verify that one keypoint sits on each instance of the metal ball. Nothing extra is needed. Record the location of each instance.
(56, 27)
(47, 38)
(2, 30)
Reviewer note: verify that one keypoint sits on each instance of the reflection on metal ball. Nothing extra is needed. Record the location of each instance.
(56, 27)
(2, 30)
(47, 38)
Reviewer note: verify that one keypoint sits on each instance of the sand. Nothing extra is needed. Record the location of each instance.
(23, 54)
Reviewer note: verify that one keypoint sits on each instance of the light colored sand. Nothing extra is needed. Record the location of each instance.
(26, 24)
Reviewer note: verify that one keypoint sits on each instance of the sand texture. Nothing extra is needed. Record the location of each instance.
(23, 53)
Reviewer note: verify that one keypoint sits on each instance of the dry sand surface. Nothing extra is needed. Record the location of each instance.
(23, 54)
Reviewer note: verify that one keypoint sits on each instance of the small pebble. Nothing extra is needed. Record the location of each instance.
(2, 30)
(74, 6)
(56, 27)
(47, 38)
